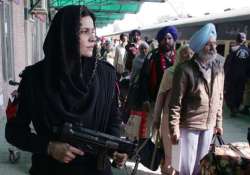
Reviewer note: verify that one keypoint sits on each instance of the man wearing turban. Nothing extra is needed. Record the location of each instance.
(157, 61)
(195, 107)
(153, 68)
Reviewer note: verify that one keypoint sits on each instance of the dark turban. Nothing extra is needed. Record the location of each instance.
(168, 29)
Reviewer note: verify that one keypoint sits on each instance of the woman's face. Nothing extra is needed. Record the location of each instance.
(87, 36)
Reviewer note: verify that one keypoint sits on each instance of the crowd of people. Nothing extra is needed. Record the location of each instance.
(179, 90)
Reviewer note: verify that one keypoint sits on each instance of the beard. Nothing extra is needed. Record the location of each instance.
(167, 48)
(209, 56)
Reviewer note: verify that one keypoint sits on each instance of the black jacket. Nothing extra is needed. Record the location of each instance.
(151, 75)
(33, 109)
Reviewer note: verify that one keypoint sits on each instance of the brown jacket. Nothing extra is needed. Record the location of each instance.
(194, 103)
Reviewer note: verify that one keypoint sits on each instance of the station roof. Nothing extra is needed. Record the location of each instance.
(106, 11)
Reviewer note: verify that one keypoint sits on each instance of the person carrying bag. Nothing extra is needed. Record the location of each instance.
(226, 159)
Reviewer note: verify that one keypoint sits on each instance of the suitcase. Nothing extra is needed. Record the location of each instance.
(226, 159)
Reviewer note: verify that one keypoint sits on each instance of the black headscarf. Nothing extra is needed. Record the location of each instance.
(61, 45)
(68, 95)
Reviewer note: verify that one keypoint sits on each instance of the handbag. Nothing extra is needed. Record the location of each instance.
(226, 159)
(151, 154)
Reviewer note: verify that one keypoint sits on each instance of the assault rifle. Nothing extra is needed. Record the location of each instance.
(95, 142)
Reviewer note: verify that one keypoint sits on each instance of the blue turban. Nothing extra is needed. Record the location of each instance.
(201, 37)
(168, 29)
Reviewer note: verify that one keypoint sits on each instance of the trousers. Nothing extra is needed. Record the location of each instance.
(194, 145)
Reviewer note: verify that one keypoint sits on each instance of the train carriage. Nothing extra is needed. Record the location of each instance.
(227, 24)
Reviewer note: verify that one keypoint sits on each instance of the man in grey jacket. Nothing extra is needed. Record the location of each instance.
(195, 108)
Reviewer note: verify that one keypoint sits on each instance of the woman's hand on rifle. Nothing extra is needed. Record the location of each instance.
(120, 159)
(63, 152)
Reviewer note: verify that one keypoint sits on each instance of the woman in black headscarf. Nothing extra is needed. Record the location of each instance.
(68, 85)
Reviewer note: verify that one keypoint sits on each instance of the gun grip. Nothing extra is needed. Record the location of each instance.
(102, 160)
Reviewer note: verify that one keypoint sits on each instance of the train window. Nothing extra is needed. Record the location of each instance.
(221, 49)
